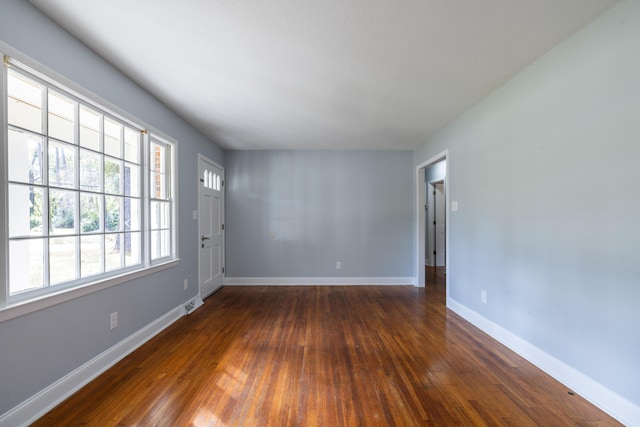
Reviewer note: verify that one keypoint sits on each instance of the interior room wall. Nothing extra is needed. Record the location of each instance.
(39, 348)
(296, 213)
(436, 172)
(545, 173)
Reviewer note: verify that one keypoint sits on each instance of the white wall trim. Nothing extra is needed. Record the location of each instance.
(45, 400)
(310, 281)
(609, 401)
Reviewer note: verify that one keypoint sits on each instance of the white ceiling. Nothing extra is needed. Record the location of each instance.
(358, 74)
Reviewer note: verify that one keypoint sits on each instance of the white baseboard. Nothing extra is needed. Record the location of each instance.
(311, 281)
(45, 400)
(609, 401)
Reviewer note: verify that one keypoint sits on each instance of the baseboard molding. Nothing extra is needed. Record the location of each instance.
(609, 401)
(45, 400)
(311, 281)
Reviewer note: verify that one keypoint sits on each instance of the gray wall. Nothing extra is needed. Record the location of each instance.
(295, 213)
(546, 174)
(39, 348)
(436, 172)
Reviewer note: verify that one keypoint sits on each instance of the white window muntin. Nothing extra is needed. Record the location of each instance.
(83, 103)
(70, 190)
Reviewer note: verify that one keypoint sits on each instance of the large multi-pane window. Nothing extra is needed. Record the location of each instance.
(76, 192)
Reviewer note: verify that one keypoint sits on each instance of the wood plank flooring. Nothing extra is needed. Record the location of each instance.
(325, 356)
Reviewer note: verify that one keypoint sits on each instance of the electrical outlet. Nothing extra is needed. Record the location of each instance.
(113, 320)
(338, 265)
(483, 297)
(186, 284)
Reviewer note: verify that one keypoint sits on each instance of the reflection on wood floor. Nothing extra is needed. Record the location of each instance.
(325, 356)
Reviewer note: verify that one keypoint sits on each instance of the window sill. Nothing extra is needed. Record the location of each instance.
(29, 306)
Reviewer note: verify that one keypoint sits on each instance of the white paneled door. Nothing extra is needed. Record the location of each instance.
(210, 226)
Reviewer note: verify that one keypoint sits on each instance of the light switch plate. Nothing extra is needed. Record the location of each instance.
(113, 320)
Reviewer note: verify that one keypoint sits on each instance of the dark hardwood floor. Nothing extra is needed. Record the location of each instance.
(325, 356)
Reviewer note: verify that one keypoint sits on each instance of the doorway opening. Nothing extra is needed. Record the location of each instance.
(432, 240)
(436, 216)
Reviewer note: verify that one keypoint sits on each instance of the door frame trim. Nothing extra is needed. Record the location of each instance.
(224, 234)
(421, 194)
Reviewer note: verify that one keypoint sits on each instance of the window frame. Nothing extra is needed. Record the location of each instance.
(170, 185)
(25, 302)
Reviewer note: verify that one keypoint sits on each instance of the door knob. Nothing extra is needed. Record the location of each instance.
(203, 238)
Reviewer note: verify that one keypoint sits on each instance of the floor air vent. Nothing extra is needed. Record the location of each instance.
(192, 305)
